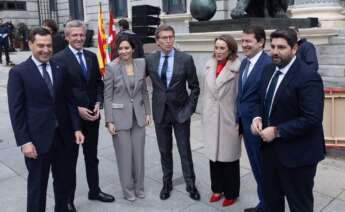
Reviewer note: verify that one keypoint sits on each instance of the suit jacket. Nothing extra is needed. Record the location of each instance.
(86, 92)
(219, 112)
(180, 103)
(120, 103)
(297, 112)
(34, 112)
(248, 95)
(307, 52)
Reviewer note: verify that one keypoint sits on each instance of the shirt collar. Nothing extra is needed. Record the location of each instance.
(37, 62)
(287, 67)
(171, 53)
(74, 51)
(256, 57)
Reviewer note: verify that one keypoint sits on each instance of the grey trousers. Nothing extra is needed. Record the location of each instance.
(129, 149)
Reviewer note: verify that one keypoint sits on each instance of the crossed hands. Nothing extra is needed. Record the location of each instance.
(89, 115)
(267, 134)
(112, 129)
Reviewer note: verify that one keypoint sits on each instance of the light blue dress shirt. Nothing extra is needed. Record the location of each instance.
(170, 65)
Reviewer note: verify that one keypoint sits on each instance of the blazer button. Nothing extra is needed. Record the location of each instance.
(132, 100)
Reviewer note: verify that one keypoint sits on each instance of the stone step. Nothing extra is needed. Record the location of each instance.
(335, 49)
(338, 82)
(337, 40)
(332, 59)
(332, 70)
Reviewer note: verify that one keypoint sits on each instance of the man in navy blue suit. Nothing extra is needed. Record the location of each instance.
(289, 122)
(253, 43)
(44, 120)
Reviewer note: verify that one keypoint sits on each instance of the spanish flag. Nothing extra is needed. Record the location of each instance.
(102, 43)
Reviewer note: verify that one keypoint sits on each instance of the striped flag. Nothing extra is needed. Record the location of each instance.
(111, 36)
(102, 43)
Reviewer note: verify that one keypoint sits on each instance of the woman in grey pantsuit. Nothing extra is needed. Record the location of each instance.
(127, 112)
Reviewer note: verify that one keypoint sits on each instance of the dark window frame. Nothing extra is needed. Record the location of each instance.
(17, 5)
(170, 8)
(119, 8)
(76, 9)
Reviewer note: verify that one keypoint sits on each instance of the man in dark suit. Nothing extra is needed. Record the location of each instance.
(172, 106)
(253, 44)
(306, 51)
(43, 118)
(289, 121)
(87, 85)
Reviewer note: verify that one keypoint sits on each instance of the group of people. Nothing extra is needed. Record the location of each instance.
(275, 103)
(5, 31)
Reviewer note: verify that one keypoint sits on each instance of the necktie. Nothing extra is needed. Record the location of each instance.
(269, 95)
(164, 70)
(245, 73)
(82, 65)
(47, 79)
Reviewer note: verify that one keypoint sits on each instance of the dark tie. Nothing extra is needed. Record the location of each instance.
(47, 79)
(245, 73)
(82, 65)
(269, 95)
(164, 70)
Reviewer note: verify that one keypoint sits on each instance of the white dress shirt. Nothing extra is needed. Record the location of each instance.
(75, 52)
(253, 61)
(39, 66)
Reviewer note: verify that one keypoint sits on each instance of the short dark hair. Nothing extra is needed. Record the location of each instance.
(288, 34)
(258, 31)
(51, 24)
(164, 27)
(231, 44)
(127, 38)
(124, 24)
(38, 31)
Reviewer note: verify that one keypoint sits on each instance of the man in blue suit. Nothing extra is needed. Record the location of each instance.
(44, 120)
(289, 122)
(253, 43)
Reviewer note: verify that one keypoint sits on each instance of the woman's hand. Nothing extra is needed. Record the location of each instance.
(147, 120)
(111, 128)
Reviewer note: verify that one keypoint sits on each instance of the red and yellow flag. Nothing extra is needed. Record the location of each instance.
(111, 36)
(102, 43)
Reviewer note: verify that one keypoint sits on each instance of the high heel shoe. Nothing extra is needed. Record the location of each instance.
(215, 197)
(228, 202)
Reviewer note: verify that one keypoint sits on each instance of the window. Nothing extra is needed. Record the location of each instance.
(119, 8)
(174, 6)
(13, 5)
(76, 9)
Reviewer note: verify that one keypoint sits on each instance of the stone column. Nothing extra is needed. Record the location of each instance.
(331, 13)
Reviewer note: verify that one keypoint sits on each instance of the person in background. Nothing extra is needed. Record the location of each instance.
(59, 42)
(5, 30)
(221, 135)
(127, 112)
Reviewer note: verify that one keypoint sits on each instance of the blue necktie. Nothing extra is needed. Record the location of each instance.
(82, 65)
(47, 79)
(269, 96)
(164, 70)
(245, 73)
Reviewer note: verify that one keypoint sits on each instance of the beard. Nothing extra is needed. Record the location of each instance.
(281, 62)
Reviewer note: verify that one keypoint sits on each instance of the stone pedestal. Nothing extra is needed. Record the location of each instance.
(331, 13)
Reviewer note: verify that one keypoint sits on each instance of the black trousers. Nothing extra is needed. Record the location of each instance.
(165, 141)
(225, 178)
(90, 131)
(296, 184)
(4, 45)
(39, 174)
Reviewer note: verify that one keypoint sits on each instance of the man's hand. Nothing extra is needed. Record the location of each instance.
(256, 126)
(86, 114)
(29, 150)
(268, 134)
(96, 111)
(111, 128)
(79, 137)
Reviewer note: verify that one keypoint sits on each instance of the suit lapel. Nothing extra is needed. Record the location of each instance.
(175, 68)
(75, 62)
(210, 76)
(125, 77)
(155, 64)
(137, 76)
(88, 64)
(289, 76)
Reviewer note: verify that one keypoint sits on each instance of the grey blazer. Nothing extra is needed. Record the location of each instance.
(119, 101)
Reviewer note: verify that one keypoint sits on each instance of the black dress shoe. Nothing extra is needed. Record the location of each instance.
(71, 207)
(101, 196)
(255, 209)
(193, 192)
(165, 192)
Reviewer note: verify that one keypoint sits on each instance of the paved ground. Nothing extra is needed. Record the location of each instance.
(329, 182)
